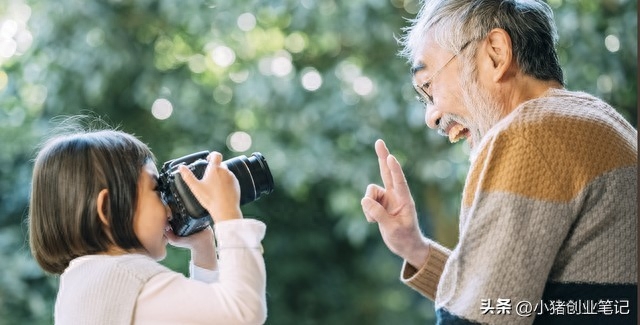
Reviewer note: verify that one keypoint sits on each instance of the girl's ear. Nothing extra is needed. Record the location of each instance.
(103, 206)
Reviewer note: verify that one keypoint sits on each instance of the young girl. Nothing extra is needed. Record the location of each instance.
(97, 218)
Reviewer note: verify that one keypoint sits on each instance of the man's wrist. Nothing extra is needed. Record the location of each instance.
(418, 254)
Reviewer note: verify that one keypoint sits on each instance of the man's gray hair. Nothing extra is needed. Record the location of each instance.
(529, 23)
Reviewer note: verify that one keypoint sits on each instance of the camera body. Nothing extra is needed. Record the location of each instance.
(188, 216)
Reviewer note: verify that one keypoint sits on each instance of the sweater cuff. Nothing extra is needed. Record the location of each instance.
(425, 280)
(202, 274)
(240, 233)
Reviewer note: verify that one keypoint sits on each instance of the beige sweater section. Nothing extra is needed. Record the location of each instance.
(549, 204)
(134, 288)
(105, 290)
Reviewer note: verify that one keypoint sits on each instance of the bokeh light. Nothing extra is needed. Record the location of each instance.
(9, 28)
(7, 47)
(239, 76)
(15, 38)
(222, 94)
(281, 64)
(239, 141)
(311, 79)
(34, 96)
(197, 63)
(223, 56)
(161, 109)
(363, 86)
(347, 71)
(295, 42)
(612, 43)
(605, 83)
(246, 22)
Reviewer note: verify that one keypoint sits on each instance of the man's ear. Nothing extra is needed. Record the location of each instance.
(500, 51)
(103, 206)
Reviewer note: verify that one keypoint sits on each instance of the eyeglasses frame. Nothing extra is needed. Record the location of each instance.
(423, 96)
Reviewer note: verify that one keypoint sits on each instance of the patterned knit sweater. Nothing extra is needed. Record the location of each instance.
(548, 222)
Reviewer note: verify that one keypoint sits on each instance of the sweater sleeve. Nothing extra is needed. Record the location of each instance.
(237, 297)
(425, 280)
(201, 274)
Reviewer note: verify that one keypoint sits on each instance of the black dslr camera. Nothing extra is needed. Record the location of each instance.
(188, 216)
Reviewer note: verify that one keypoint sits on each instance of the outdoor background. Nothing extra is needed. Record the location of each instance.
(309, 84)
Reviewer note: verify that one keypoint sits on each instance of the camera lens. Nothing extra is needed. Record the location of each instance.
(253, 175)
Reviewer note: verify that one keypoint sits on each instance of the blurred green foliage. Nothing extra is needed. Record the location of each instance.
(311, 83)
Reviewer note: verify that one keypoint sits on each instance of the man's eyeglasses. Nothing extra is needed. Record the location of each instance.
(423, 90)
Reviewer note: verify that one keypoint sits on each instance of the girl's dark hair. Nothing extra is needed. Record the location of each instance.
(69, 172)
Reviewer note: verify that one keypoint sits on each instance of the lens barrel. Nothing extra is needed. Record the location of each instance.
(253, 175)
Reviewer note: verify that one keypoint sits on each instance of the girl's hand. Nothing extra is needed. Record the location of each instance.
(202, 245)
(218, 191)
(200, 240)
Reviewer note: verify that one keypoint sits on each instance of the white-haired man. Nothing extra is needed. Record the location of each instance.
(549, 213)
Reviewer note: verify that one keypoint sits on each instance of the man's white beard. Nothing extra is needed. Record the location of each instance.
(485, 112)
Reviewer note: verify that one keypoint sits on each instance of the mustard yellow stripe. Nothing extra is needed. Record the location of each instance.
(551, 161)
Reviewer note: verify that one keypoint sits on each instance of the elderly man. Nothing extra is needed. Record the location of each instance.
(548, 217)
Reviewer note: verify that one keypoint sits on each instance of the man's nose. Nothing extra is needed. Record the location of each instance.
(432, 117)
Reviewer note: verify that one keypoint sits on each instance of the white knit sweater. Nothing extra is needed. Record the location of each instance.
(135, 289)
